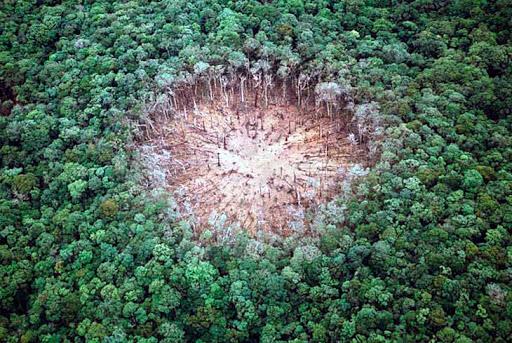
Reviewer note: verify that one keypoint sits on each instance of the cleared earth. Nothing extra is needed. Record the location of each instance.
(253, 168)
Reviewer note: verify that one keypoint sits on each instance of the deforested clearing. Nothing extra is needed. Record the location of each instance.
(256, 168)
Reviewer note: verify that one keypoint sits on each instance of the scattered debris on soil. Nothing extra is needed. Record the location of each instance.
(262, 168)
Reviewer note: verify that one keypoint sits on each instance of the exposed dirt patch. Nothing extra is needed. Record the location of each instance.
(263, 169)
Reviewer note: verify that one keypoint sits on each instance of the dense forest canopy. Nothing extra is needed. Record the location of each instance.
(417, 250)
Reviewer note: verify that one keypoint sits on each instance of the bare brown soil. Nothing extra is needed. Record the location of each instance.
(263, 168)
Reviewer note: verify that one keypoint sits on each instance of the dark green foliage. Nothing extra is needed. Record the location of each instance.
(422, 252)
